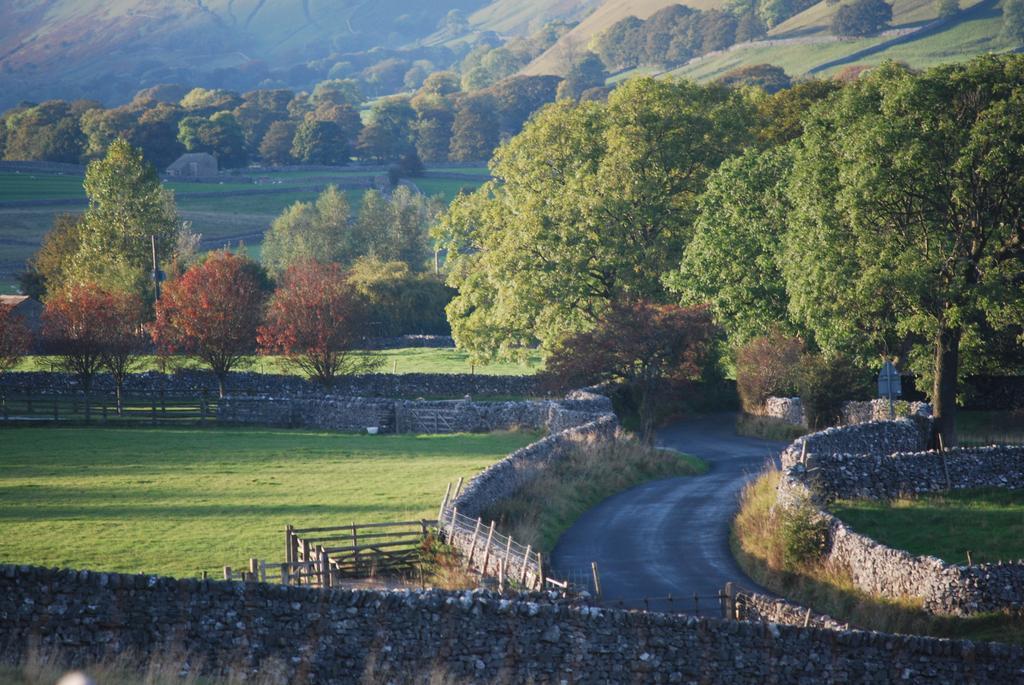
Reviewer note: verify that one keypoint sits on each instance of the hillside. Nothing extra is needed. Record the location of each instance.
(611, 11)
(803, 45)
(102, 48)
(519, 17)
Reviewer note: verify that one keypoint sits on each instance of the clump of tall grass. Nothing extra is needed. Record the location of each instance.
(546, 506)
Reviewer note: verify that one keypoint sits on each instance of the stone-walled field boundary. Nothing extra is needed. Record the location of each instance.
(341, 636)
(881, 461)
(194, 382)
(790, 410)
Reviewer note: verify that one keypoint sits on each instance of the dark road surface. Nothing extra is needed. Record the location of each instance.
(670, 537)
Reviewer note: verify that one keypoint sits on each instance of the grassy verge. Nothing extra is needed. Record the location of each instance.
(547, 506)
(402, 360)
(987, 523)
(767, 428)
(761, 540)
(181, 501)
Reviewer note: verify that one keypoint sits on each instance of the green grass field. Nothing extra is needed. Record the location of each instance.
(182, 501)
(402, 360)
(988, 523)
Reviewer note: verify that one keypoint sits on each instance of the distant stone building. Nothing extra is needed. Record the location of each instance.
(30, 310)
(194, 165)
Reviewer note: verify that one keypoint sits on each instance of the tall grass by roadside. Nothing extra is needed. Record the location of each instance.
(763, 539)
(767, 428)
(542, 510)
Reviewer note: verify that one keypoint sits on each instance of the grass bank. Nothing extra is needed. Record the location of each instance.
(767, 428)
(181, 501)
(764, 543)
(987, 523)
(540, 512)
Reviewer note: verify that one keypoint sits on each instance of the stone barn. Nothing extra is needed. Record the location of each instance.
(194, 165)
(30, 310)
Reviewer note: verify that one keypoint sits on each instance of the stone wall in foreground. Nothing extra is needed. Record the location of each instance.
(338, 637)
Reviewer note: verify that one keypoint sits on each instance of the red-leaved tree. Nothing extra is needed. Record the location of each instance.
(649, 348)
(212, 312)
(83, 322)
(316, 319)
(124, 340)
(15, 338)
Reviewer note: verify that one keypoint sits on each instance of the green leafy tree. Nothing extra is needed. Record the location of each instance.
(586, 72)
(320, 142)
(907, 226)
(127, 205)
(49, 131)
(306, 232)
(389, 134)
(276, 146)
(156, 133)
(767, 77)
(220, 135)
(475, 130)
(1013, 21)
(337, 92)
(948, 8)
(434, 118)
(861, 18)
(594, 203)
(733, 260)
(403, 302)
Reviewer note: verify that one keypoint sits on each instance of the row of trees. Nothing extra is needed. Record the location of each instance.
(221, 310)
(879, 217)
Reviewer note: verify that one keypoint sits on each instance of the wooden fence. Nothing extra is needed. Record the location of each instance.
(324, 556)
(492, 554)
(157, 409)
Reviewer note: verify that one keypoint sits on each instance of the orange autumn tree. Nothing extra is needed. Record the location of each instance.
(650, 349)
(317, 319)
(212, 312)
(89, 328)
(15, 338)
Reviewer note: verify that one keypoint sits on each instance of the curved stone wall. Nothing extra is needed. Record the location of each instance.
(845, 463)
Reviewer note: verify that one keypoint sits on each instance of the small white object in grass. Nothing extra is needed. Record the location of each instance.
(76, 678)
(372, 430)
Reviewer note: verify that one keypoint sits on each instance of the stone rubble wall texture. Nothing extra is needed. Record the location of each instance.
(840, 465)
(752, 606)
(355, 414)
(908, 434)
(342, 636)
(790, 410)
(193, 382)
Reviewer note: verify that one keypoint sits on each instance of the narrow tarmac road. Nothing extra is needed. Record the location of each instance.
(671, 536)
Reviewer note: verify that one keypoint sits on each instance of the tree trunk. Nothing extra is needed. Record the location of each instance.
(220, 384)
(947, 367)
(120, 401)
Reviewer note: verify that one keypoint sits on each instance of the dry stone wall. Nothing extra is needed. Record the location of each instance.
(409, 416)
(192, 382)
(338, 637)
(847, 463)
(791, 411)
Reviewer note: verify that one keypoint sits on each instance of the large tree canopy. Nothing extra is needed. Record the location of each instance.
(592, 202)
(908, 226)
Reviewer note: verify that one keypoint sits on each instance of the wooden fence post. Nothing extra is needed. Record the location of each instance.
(306, 558)
(540, 571)
(597, 579)
(526, 564)
(476, 533)
(227, 573)
(458, 488)
(288, 559)
(444, 502)
(487, 551)
(285, 572)
(355, 549)
(254, 569)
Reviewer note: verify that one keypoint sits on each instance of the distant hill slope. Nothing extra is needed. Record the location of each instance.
(610, 11)
(89, 48)
(521, 17)
(803, 45)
